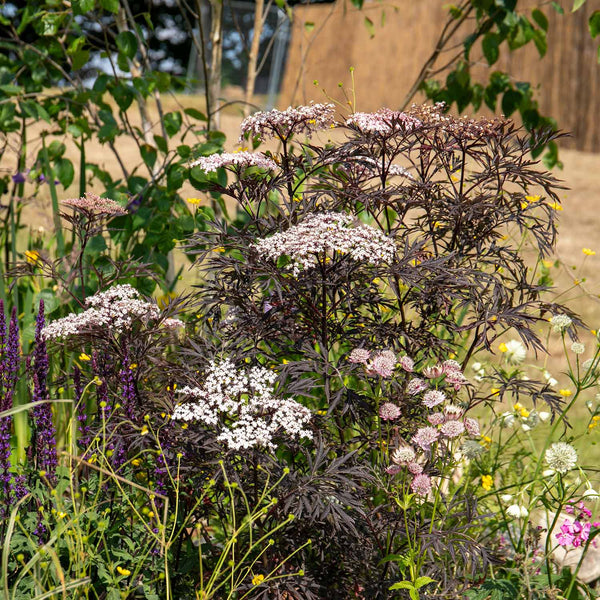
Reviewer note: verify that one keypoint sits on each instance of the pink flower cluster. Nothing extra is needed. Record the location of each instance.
(381, 363)
(383, 122)
(576, 533)
(283, 124)
(234, 159)
(115, 310)
(327, 233)
(93, 204)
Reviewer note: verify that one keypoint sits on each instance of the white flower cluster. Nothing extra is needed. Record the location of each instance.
(115, 309)
(236, 159)
(243, 407)
(303, 119)
(560, 323)
(327, 232)
(384, 121)
(561, 457)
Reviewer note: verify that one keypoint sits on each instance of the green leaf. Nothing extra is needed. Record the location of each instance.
(172, 122)
(11, 90)
(195, 114)
(127, 43)
(370, 27)
(123, 96)
(110, 5)
(79, 59)
(422, 581)
(540, 18)
(558, 8)
(148, 154)
(511, 101)
(64, 171)
(594, 23)
(490, 45)
(540, 41)
(577, 4)
(161, 143)
(81, 7)
(402, 585)
(308, 26)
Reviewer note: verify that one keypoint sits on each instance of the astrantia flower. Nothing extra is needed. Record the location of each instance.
(414, 468)
(403, 455)
(425, 436)
(472, 426)
(432, 398)
(436, 418)
(389, 411)
(433, 372)
(327, 233)
(359, 356)
(452, 429)
(561, 457)
(577, 348)
(451, 411)
(451, 366)
(382, 364)
(421, 485)
(415, 386)
(560, 322)
(515, 352)
(407, 363)
(242, 160)
(292, 121)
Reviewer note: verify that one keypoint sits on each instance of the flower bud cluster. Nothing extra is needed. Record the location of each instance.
(93, 204)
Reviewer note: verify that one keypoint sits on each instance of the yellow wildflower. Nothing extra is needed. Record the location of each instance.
(136, 462)
(32, 256)
(258, 579)
(195, 201)
(486, 441)
(524, 205)
(144, 430)
(532, 198)
(555, 206)
(487, 482)
(594, 422)
(219, 249)
(124, 572)
(565, 393)
(588, 252)
(84, 356)
(524, 413)
(503, 347)
(495, 392)
(132, 366)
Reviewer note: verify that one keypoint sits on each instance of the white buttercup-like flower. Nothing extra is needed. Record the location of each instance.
(515, 352)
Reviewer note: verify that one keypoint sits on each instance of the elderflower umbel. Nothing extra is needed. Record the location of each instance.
(283, 124)
(577, 347)
(243, 407)
(382, 122)
(115, 309)
(234, 159)
(327, 233)
(561, 457)
(93, 204)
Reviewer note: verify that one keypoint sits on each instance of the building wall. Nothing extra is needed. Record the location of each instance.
(328, 39)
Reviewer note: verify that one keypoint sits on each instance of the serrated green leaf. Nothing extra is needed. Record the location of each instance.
(423, 581)
(402, 585)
